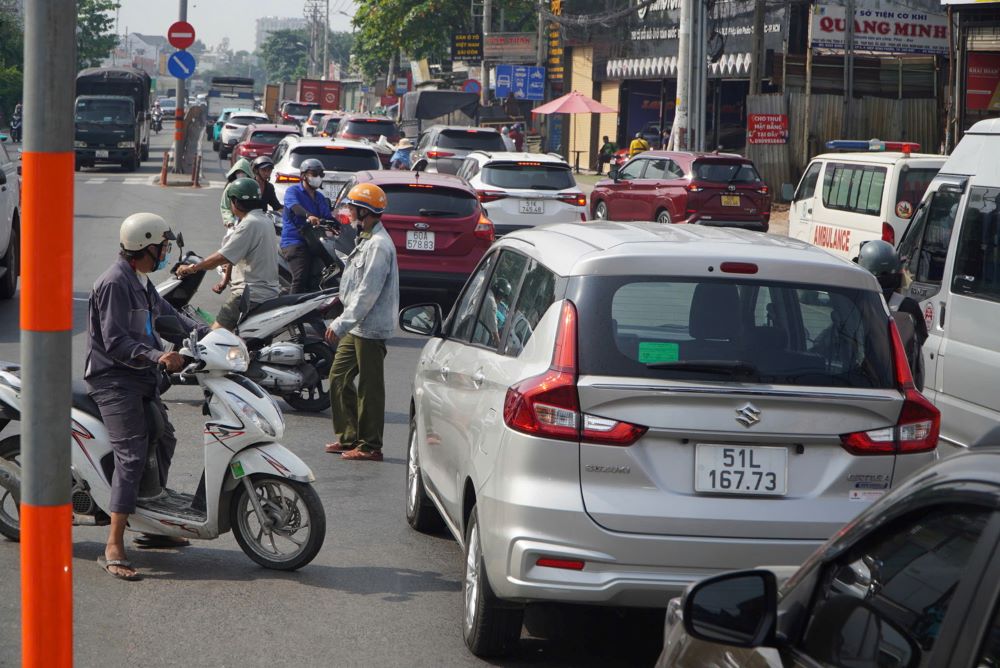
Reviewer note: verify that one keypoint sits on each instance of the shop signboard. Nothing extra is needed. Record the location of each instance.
(767, 128)
(467, 46)
(511, 46)
(525, 82)
(887, 30)
(556, 68)
(982, 81)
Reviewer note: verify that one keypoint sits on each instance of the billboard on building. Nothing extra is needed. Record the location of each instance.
(982, 81)
(886, 30)
(511, 46)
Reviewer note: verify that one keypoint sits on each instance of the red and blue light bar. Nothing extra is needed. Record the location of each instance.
(872, 145)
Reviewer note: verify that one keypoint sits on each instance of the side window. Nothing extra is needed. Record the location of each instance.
(883, 602)
(498, 299)
(425, 140)
(463, 316)
(854, 188)
(537, 293)
(656, 169)
(632, 170)
(924, 248)
(807, 186)
(977, 262)
(674, 171)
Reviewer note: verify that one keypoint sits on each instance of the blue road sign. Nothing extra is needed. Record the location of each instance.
(181, 64)
(525, 82)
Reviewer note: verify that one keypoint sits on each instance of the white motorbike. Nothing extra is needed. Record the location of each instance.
(251, 484)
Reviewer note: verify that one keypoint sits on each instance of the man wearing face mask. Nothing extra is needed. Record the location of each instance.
(304, 205)
(123, 353)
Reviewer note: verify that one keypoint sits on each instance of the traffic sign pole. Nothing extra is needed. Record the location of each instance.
(179, 113)
(46, 324)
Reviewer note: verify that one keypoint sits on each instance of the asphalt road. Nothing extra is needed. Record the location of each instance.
(378, 594)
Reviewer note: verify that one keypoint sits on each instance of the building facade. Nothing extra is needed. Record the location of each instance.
(268, 24)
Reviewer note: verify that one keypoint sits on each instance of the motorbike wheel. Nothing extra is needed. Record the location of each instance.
(317, 397)
(10, 490)
(298, 522)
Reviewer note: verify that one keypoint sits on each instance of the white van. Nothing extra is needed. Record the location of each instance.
(864, 196)
(951, 256)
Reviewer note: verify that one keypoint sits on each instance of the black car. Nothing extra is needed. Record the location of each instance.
(913, 581)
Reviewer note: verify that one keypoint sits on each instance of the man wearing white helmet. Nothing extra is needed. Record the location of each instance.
(123, 353)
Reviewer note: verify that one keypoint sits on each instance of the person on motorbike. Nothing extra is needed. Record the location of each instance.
(121, 371)
(881, 259)
(304, 205)
(240, 170)
(262, 168)
(16, 122)
(249, 250)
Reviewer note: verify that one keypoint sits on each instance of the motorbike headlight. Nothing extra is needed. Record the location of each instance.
(239, 358)
(253, 415)
(126, 144)
(79, 144)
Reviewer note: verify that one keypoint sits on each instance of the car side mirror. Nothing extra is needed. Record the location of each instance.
(787, 192)
(738, 608)
(423, 319)
(613, 173)
(4, 138)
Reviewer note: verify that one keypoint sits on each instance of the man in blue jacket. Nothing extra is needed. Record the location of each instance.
(304, 205)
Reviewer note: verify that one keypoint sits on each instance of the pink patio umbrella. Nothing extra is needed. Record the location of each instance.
(574, 103)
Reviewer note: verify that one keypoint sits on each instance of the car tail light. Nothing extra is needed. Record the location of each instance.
(555, 562)
(484, 229)
(287, 178)
(439, 154)
(286, 116)
(230, 126)
(489, 195)
(762, 190)
(694, 188)
(576, 199)
(888, 233)
(547, 405)
(919, 422)
(738, 267)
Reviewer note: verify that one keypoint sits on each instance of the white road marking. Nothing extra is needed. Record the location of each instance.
(96, 181)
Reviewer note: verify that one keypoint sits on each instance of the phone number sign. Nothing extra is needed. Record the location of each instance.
(767, 128)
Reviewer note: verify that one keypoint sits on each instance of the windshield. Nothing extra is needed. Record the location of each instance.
(370, 128)
(104, 111)
(751, 331)
(337, 158)
(471, 140)
(421, 201)
(299, 108)
(267, 137)
(716, 171)
(528, 176)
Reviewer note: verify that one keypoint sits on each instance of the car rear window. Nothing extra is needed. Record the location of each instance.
(471, 140)
(331, 125)
(734, 330)
(913, 184)
(337, 159)
(371, 128)
(299, 109)
(433, 201)
(245, 120)
(718, 171)
(268, 137)
(528, 175)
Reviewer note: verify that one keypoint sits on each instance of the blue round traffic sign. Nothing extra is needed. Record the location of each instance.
(181, 64)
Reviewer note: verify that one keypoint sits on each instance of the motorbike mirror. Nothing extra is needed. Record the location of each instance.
(4, 138)
(180, 240)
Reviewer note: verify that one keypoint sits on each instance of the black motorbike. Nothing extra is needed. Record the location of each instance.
(329, 244)
(15, 128)
(157, 122)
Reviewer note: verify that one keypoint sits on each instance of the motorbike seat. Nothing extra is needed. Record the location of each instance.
(82, 400)
(284, 300)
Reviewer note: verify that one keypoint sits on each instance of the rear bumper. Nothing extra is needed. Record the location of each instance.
(758, 225)
(89, 155)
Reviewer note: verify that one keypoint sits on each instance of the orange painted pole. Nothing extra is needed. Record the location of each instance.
(46, 322)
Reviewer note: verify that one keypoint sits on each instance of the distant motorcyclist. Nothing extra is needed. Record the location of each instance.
(638, 145)
(881, 259)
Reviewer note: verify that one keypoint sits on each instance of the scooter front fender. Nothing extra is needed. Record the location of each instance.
(269, 458)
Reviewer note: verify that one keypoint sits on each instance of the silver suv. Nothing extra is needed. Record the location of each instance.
(612, 411)
(443, 148)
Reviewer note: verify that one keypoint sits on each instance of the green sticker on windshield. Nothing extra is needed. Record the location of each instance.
(651, 352)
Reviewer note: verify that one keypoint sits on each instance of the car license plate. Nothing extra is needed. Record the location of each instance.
(331, 189)
(419, 241)
(531, 206)
(730, 200)
(740, 469)
(100, 154)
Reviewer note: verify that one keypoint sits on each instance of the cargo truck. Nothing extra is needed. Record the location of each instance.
(271, 100)
(324, 93)
(111, 117)
(227, 93)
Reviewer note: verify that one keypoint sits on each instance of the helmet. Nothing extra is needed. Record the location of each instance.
(143, 229)
(243, 189)
(879, 257)
(502, 287)
(367, 196)
(638, 135)
(261, 162)
(312, 164)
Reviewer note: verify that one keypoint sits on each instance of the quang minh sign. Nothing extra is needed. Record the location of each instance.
(892, 30)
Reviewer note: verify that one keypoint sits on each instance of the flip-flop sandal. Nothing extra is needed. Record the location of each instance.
(106, 564)
(157, 541)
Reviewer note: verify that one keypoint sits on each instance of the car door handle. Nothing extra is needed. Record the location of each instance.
(479, 378)
(444, 372)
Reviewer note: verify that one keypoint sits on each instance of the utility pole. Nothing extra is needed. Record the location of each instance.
(679, 132)
(179, 112)
(326, 42)
(757, 48)
(849, 70)
(46, 334)
(487, 27)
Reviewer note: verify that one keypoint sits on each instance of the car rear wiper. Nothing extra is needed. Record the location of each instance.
(437, 212)
(728, 367)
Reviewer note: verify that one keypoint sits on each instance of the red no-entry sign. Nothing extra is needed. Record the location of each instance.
(181, 35)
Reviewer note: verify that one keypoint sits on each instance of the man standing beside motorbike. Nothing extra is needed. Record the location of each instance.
(123, 355)
(249, 249)
(304, 205)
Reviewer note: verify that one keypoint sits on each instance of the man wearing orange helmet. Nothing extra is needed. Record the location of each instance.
(369, 291)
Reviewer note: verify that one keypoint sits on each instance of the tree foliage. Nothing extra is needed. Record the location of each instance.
(285, 55)
(95, 37)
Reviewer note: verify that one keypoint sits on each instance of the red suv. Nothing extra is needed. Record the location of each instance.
(669, 187)
(437, 225)
(258, 140)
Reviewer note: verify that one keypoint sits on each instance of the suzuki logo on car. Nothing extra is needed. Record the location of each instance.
(421, 226)
(748, 416)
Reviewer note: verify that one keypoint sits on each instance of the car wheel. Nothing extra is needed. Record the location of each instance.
(420, 511)
(11, 261)
(663, 217)
(215, 146)
(145, 153)
(490, 626)
(222, 153)
(601, 211)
